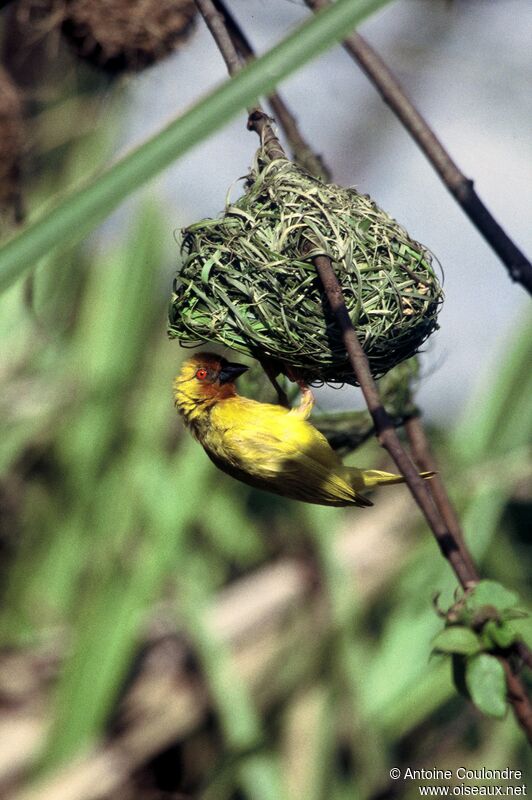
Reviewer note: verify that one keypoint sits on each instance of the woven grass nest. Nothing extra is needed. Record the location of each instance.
(245, 283)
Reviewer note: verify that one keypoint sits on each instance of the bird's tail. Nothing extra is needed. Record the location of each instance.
(361, 479)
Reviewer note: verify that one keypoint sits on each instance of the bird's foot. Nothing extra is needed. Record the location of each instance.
(306, 403)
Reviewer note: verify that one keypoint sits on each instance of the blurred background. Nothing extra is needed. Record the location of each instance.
(167, 632)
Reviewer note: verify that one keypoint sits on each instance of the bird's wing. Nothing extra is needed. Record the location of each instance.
(271, 433)
(287, 455)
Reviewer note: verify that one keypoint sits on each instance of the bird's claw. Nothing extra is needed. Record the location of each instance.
(306, 403)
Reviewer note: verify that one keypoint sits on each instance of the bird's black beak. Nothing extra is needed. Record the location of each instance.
(230, 372)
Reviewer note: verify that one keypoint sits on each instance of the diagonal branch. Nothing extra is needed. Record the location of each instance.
(440, 522)
(519, 699)
(461, 187)
(302, 152)
(419, 445)
(424, 459)
(451, 547)
(437, 509)
(258, 121)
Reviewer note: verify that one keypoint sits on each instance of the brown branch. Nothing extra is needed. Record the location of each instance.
(258, 121)
(452, 548)
(216, 24)
(302, 152)
(424, 459)
(519, 699)
(524, 653)
(384, 427)
(461, 187)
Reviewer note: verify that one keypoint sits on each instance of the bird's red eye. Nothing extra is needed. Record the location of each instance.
(201, 374)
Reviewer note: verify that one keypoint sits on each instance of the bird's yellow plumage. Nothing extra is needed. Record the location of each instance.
(266, 446)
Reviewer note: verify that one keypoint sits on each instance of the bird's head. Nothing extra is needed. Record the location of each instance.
(204, 379)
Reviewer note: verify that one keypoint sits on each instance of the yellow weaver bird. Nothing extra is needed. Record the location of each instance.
(267, 446)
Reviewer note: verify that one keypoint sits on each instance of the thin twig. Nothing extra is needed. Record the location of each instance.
(452, 548)
(524, 653)
(518, 698)
(302, 152)
(384, 427)
(424, 459)
(216, 24)
(258, 121)
(461, 187)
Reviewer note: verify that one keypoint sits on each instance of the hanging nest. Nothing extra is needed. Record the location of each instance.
(248, 281)
(121, 35)
(114, 35)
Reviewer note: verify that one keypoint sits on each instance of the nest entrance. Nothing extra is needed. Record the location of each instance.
(248, 281)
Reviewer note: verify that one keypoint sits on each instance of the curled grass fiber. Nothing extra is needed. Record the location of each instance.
(248, 282)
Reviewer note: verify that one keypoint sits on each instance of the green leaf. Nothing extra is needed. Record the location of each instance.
(491, 593)
(78, 213)
(522, 628)
(457, 639)
(498, 634)
(485, 680)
